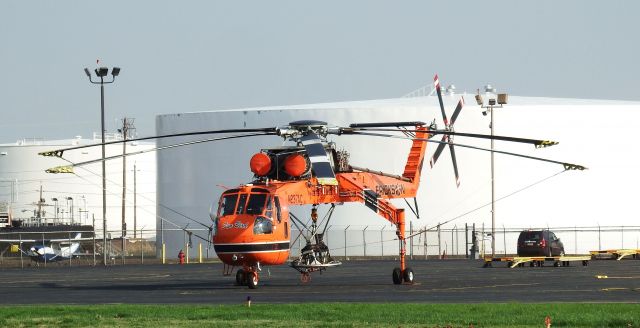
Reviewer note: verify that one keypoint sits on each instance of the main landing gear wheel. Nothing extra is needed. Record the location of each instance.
(408, 275)
(240, 277)
(252, 280)
(397, 276)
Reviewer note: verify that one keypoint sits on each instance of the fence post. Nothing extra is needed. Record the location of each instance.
(411, 239)
(45, 257)
(21, 263)
(599, 244)
(452, 240)
(439, 247)
(364, 240)
(382, 242)
(426, 244)
(345, 242)
(93, 216)
(466, 241)
(70, 254)
(142, 241)
(575, 242)
(504, 238)
(622, 236)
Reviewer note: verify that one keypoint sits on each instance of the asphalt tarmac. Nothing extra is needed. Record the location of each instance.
(447, 281)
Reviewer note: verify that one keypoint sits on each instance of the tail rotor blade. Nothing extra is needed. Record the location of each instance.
(439, 150)
(456, 112)
(436, 83)
(455, 165)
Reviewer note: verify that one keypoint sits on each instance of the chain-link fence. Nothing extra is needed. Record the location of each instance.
(19, 248)
(436, 242)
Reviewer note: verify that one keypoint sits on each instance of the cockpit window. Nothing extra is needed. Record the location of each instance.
(269, 211)
(241, 204)
(228, 204)
(256, 203)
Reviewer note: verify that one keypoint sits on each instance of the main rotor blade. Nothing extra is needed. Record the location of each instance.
(319, 159)
(67, 168)
(456, 112)
(536, 142)
(385, 124)
(436, 82)
(455, 164)
(59, 152)
(567, 166)
(436, 155)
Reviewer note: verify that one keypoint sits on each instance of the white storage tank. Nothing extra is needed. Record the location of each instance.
(76, 198)
(529, 193)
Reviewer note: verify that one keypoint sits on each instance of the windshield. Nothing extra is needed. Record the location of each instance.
(256, 203)
(227, 205)
(247, 204)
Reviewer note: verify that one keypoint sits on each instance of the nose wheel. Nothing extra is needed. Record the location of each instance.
(247, 277)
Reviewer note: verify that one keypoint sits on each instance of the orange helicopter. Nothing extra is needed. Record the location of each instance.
(252, 225)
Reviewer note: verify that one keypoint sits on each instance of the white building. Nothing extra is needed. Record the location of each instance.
(77, 198)
(598, 134)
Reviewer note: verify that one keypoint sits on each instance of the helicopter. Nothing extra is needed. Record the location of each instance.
(252, 225)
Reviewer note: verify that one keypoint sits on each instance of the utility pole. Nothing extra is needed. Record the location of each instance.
(126, 131)
(135, 201)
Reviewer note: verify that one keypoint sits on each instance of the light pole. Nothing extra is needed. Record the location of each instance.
(71, 199)
(490, 92)
(55, 200)
(101, 73)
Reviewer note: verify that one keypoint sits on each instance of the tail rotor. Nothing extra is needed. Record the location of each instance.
(448, 125)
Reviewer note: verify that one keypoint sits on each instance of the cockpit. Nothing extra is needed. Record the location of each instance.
(257, 201)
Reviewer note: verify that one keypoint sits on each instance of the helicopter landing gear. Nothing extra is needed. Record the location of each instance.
(252, 280)
(248, 276)
(403, 273)
(400, 276)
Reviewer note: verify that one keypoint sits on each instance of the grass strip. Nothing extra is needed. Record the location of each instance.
(324, 315)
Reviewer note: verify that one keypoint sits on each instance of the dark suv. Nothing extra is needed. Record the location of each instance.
(539, 243)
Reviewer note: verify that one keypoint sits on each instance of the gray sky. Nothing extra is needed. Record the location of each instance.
(204, 55)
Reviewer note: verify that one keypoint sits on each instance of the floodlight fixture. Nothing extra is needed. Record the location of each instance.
(492, 102)
(86, 71)
(503, 98)
(479, 100)
(102, 71)
(115, 71)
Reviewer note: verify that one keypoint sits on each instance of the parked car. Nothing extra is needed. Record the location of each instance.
(539, 243)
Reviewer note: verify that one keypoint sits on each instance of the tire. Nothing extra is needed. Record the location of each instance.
(397, 276)
(240, 277)
(408, 276)
(252, 280)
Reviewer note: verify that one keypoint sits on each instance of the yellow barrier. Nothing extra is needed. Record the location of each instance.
(164, 253)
